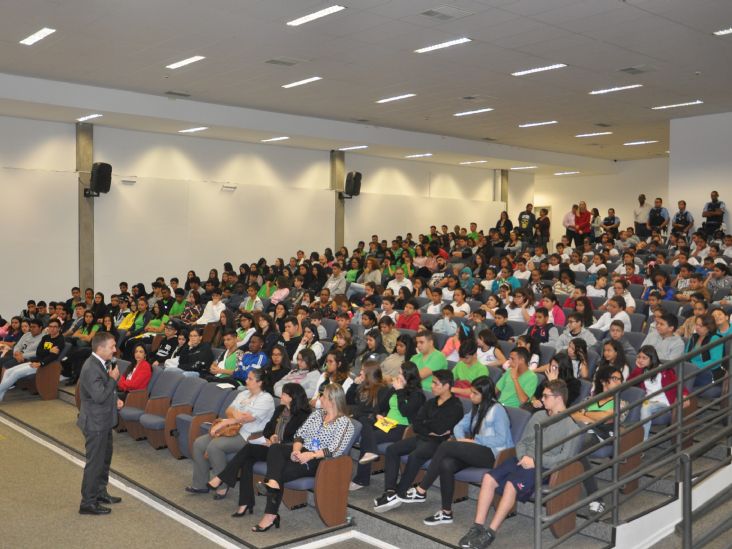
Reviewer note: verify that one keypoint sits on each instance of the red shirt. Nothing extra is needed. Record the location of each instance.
(138, 379)
(667, 378)
(582, 222)
(408, 322)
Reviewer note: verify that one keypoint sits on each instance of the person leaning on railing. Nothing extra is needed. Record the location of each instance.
(706, 332)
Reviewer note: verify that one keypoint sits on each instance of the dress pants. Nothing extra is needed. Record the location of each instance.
(282, 469)
(418, 450)
(243, 464)
(96, 471)
(216, 448)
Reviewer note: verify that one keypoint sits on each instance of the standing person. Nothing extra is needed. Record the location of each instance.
(526, 222)
(583, 223)
(543, 227)
(640, 217)
(568, 222)
(658, 217)
(714, 212)
(682, 222)
(97, 417)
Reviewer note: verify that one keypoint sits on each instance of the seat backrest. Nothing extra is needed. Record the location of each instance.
(597, 301)
(124, 365)
(65, 351)
(599, 334)
(518, 418)
(209, 399)
(356, 436)
(689, 370)
(636, 339)
(429, 318)
(157, 371)
(474, 305)
(188, 390)
(326, 347)
(167, 383)
(636, 290)
(518, 327)
(411, 333)
(330, 326)
(230, 396)
(672, 307)
(495, 373)
(580, 277)
(597, 314)
(506, 347)
(439, 339)
(422, 301)
(546, 352)
(633, 395)
(585, 389)
(636, 321)
(592, 358)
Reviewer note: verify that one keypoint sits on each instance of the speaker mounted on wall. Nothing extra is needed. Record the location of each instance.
(352, 185)
(100, 180)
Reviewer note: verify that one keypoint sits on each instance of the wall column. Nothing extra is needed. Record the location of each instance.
(503, 197)
(337, 180)
(84, 160)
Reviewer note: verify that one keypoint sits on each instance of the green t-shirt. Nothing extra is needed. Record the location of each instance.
(157, 322)
(508, 397)
(177, 308)
(352, 275)
(434, 361)
(229, 364)
(139, 321)
(462, 371)
(394, 412)
(265, 292)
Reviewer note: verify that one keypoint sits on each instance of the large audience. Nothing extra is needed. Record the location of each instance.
(434, 337)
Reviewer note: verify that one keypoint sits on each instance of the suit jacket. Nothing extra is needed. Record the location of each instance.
(98, 393)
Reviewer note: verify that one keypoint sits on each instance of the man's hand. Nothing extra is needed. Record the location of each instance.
(527, 462)
(120, 404)
(114, 373)
(35, 365)
(18, 356)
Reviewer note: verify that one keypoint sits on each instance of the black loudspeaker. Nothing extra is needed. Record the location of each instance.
(353, 184)
(101, 177)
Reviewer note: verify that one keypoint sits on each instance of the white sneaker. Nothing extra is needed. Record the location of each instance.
(413, 496)
(388, 500)
(368, 457)
(440, 517)
(597, 507)
(355, 486)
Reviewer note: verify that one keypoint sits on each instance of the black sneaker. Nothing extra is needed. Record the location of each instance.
(413, 496)
(468, 540)
(440, 517)
(388, 500)
(485, 539)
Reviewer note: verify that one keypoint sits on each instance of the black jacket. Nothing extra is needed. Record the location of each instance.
(296, 420)
(198, 359)
(44, 355)
(408, 402)
(435, 419)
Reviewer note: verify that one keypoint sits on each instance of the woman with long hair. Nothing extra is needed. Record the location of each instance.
(583, 306)
(559, 367)
(305, 373)
(335, 371)
(404, 350)
(268, 331)
(579, 355)
(613, 355)
(81, 348)
(705, 333)
(279, 364)
(138, 377)
(343, 342)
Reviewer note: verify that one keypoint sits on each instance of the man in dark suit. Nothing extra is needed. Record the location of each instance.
(97, 417)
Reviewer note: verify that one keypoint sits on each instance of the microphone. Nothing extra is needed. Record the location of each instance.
(112, 364)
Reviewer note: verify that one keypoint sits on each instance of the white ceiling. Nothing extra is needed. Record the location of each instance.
(365, 53)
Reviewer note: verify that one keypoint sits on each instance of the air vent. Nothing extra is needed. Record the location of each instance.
(638, 69)
(446, 13)
(177, 94)
(602, 125)
(286, 61)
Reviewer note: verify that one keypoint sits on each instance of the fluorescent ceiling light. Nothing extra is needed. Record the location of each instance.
(565, 173)
(532, 124)
(539, 69)
(593, 134)
(89, 117)
(687, 104)
(422, 155)
(185, 62)
(301, 82)
(37, 36)
(634, 143)
(723, 32)
(477, 111)
(473, 162)
(397, 98)
(315, 15)
(194, 130)
(283, 138)
(616, 89)
(443, 45)
(523, 167)
(354, 148)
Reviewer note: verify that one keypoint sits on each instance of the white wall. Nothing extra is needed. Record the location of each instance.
(400, 196)
(38, 209)
(701, 161)
(619, 191)
(521, 191)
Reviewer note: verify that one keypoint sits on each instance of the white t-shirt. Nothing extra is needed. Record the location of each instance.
(464, 308)
(654, 384)
(578, 268)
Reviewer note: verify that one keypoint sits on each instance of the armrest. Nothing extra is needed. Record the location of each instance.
(504, 455)
(172, 413)
(157, 406)
(47, 380)
(137, 399)
(195, 428)
(563, 500)
(331, 489)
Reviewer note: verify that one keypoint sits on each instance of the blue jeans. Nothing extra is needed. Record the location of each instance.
(13, 375)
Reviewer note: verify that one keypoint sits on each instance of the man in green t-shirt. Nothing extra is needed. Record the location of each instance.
(468, 369)
(519, 383)
(428, 359)
(179, 305)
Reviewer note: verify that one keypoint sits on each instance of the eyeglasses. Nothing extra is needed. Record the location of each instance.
(547, 395)
(616, 378)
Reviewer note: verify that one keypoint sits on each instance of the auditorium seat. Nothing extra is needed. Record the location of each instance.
(136, 399)
(157, 402)
(45, 381)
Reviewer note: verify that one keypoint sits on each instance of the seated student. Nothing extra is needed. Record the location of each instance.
(530, 344)
(662, 285)
(155, 326)
(542, 330)
(252, 302)
(168, 345)
(559, 367)
(374, 350)
(481, 435)
(432, 426)
(705, 333)
(573, 330)
(489, 353)
(613, 355)
(195, 357)
(214, 308)
(245, 330)
(389, 335)
(288, 417)
(648, 359)
(404, 349)
(251, 410)
(565, 285)
(310, 341)
(410, 318)
(404, 294)
(459, 305)
(467, 369)
(253, 359)
(520, 308)
(478, 317)
(551, 304)
(514, 478)
(428, 359)
(80, 348)
(325, 433)
(599, 288)
(44, 353)
(387, 308)
(336, 371)
(617, 333)
(696, 285)
(305, 373)
(434, 307)
(615, 311)
(225, 365)
(445, 325)
(502, 329)
(620, 288)
(193, 310)
(687, 329)
(138, 376)
(667, 344)
(519, 383)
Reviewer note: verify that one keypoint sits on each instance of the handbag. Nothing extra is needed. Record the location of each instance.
(231, 430)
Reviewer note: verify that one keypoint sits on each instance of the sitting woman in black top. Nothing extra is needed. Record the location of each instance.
(326, 433)
(287, 419)
(195, 356)
(560, 367)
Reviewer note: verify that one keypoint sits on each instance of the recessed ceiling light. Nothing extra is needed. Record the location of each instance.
(473, 162)
(282, 138)
(476, 111)
(634, 143)
(397, 98)
(422, 155)
(354, 148)
(532, 124)
(723, 32)
(185, 62)
(539, 69)
(301, 82)
(443, 45)
(616, 89)
(523, 167)
(593, 134)
(565, 173)
(89, 117)
(37, 36)
(315, 15)
(194, 130)
(687, 104)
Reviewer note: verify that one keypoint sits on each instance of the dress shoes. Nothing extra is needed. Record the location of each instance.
(108, 499)
(94, 510)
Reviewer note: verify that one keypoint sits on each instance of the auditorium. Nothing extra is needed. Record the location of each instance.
(359, 274)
